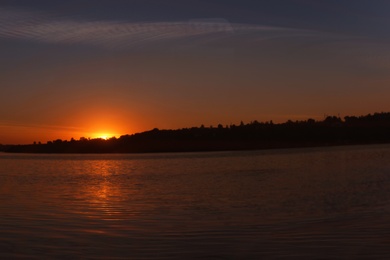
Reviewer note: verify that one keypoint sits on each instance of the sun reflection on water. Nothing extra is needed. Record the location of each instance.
(103, 190)
(113, 194)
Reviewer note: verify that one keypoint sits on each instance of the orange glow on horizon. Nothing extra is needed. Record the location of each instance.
(103, 136)
(104, 123)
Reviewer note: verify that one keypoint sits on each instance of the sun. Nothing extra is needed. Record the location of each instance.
(102, 136)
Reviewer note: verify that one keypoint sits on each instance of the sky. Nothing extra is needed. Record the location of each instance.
(94, 68)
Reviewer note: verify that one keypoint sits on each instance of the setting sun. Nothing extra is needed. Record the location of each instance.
(103, 136)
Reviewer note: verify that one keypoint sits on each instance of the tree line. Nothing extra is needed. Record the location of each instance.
(333, 130)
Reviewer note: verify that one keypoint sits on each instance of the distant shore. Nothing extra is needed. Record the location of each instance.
(332, 131)
(16, 149)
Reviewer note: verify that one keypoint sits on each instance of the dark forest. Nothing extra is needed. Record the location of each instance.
(333, 130)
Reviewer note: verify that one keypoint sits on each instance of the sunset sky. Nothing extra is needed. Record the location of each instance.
(111, 67)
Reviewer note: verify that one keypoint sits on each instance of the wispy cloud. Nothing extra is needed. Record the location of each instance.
(35, 26)
(38, 126)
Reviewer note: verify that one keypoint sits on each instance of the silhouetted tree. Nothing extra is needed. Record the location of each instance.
(372, 128)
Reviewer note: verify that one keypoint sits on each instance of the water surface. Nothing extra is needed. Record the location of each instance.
(293, 203)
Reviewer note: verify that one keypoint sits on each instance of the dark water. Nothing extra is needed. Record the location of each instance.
(301, 203)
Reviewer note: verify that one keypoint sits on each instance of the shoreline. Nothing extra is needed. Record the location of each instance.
(268, 148)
